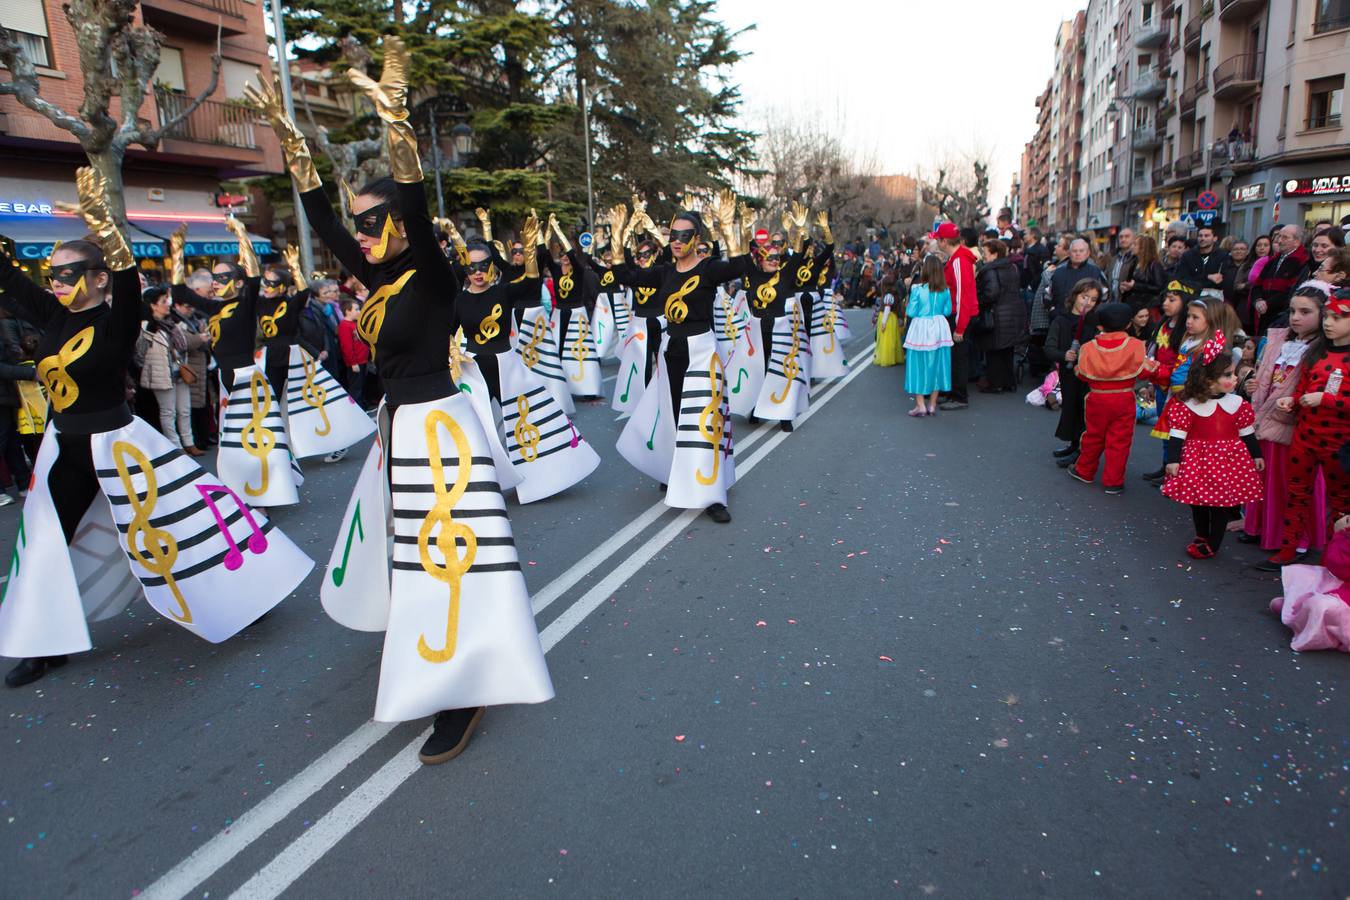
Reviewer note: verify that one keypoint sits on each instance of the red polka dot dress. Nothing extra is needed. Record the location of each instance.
(1216, 466)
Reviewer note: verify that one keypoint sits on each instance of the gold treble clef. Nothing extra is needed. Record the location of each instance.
(213, 323)
(767, 292)
(488, 328)
(258, 440)
(804, 274)
(729, 327)
(529, 354)
(154, 548)
(712, 433)
(315, 394)
(527, 434)
(449, 533)
(607, 279)
(565, 285)
(644, 296)
(790, 367)
(579, 351)
(61, 388)
(269, 323)
(371, 318)
(829, 328)
(676, 308)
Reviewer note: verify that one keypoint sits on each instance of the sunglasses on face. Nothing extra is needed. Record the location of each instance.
(71, 273)
(371, 222)
(683, 235)
(482, 267)
(222, 277)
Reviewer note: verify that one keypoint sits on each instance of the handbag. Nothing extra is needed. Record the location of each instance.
(186, 374)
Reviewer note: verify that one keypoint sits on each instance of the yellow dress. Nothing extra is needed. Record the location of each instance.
(890, 350)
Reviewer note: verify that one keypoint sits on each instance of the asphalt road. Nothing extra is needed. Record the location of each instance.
(920, 662)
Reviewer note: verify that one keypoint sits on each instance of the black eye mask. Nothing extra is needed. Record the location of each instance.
(683, 235)
(371, 222)
(483, 265)
(272, 285)
(71, 273)
(222, 277)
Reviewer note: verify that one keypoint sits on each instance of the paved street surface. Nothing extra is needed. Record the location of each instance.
(920, 662)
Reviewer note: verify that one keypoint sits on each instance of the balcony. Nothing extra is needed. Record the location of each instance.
(1191, 36)
(198, 16)
(1149, 84)
(1192, 94)
(1236, 150)
(1239, 10)
(1160, 175)
(1165, 110)
(1152, 33)
(1238, 77)
(1146, 138)
(221, 124)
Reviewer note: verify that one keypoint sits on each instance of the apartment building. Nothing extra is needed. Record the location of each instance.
(178, 181)
(1098, 130)
(1034, 181)
(1066, 126)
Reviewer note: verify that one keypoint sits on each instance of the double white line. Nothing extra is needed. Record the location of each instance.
(297, 857)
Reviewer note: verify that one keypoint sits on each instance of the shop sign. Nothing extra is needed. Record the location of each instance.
(34, 250)
(24, 208)
(1248, 193)
(1317, 187)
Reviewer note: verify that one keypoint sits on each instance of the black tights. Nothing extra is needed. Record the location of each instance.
(72, 482)
(487, 365)
(766, 337)
(677, 363)
(653, 347)
(1211, 523)
(564, 319)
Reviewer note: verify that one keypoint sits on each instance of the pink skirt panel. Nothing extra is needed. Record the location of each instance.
(1266, 517)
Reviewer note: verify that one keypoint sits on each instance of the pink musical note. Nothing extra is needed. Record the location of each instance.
(576, 438)
(257, 541)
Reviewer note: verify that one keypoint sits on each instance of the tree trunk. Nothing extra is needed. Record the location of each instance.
(108, 163)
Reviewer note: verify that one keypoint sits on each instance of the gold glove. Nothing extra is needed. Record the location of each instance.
(639, 206)
(618, 216)
(501, 249)
(557, 231)
(292, 254)
(529, 240)
(687, 202)
(456, 355)
(456, 240)
(266, 97)
(177, 265)
(652, 230)
(389, 95)
(248, 260)
(93, 207)
(823, 220)
(485, 223)
(724, 210)
(747, 225)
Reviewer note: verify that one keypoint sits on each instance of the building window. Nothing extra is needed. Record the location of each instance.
(1330, 15)
(28, 20)
(170, 72)
(1324, 102)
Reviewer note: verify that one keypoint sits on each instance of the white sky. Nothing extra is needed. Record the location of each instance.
(891, 72)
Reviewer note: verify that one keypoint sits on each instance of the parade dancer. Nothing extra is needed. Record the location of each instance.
(536, 336)
(679, 434)
(459, 632)
(576, 293)
(542, 445)
(255, 456)
(202, 558)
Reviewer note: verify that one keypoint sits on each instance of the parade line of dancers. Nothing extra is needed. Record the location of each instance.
(707, 319)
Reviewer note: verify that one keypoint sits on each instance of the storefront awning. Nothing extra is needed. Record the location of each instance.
(35, 237)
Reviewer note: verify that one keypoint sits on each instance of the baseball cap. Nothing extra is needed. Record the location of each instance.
(947, 231)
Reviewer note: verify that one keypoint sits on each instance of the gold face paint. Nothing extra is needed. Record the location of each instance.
(76, 292)
(380, 250)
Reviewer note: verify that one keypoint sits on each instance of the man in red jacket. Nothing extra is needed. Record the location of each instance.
(960, 272)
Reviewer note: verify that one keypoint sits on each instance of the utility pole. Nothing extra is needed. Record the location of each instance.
(436, 159)
(283, 63)
(586, 124)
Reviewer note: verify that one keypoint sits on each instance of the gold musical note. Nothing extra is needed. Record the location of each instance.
(527, 434)
(269, 323)
(790, 367)
(676, 308)
(644, 295)
(371, 319)
(804, 274)
(729, 326)
(607, 279)
(154, 548)
(565, 285)
(61, 388)
(579, 350)
(529, 354)
(712, 433)
(767, 292)
(488, 328)
(314, 393)
(258, 440)
(213, 323)
(829, 329)
(450, 533)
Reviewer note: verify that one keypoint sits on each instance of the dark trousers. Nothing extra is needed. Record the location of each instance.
(998, 369)
(72, 482)
(356, 385)
(961, 371)
(203, 426)
(653, 347)
(677, 363)
(492, 376)
(11, 448)
(276, 380)
(766, 335)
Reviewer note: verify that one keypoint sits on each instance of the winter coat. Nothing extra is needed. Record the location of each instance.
(198, 355)
(999, 286)
(162, 347)
(960, 272)
(11, 358)
(1272, 423)
(1066, 276)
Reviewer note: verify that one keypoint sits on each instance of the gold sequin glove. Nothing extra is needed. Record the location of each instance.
(292, 254)
(177, 264)
(248, 260)
(93, 207)
(267, 98)
(557, 231)
(529, 241)
(389, 96)
(823, 220)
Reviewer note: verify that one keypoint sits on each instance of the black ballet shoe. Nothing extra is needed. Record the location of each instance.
(450, 735)
(719, 513)
(786, 426)
(663, 488)
(753, 419)
(1063, 451)
(1245, 538)
(31, 669)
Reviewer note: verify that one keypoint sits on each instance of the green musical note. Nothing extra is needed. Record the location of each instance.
(340, 573)
(19, 543)
(631, 373)
(465, 388)
(651, 441)
(739, 377)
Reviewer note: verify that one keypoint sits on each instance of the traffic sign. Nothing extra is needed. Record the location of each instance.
(1275, 212)
(1279, 190)
(585, 239)
(1199, 218)
(1207, 200)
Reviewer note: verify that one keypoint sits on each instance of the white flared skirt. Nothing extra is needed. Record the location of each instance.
(322, 417)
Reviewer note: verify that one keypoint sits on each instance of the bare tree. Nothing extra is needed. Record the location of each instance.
(960, 188)
(118, 61)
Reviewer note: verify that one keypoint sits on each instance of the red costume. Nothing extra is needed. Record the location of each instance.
(1216, 462)
(1110, 364)
(1318, 434)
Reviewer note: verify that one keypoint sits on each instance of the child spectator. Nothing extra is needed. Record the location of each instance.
(928, 338)
(1068, 331)
(887, 319)
(1174, 358)
(1213, 460)
(1246, 369)
(1316, 601)
(355, 352)
(1109, 364)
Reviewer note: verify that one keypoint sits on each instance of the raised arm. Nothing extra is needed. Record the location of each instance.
(24, 299)
(125, 322)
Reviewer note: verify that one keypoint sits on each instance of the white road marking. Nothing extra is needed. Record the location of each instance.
(310, 847)
(250, 825)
